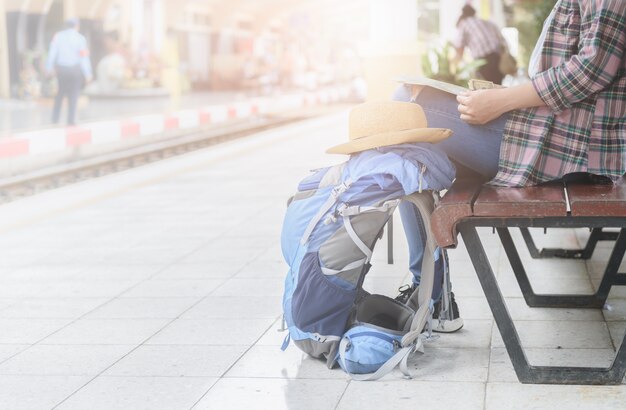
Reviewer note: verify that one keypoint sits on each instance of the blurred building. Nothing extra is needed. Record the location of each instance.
(218, 43)
(255, 45)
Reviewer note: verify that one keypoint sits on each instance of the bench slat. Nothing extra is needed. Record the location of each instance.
(597, 199)
(537, 201)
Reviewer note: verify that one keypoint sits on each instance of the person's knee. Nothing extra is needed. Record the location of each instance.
(402, 93)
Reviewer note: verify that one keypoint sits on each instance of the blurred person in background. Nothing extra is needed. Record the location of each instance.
(69, 60)
(484, 40)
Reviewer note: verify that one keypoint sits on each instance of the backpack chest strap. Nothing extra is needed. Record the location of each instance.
(332, 200)
(387, 206)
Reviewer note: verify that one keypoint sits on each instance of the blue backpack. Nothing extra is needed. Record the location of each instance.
(328, 235)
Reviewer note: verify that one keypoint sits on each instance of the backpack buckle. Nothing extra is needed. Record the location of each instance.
(340, 189)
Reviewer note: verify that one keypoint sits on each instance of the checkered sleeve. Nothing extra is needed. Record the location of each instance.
(597, 62)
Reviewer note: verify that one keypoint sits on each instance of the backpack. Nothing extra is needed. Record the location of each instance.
(329, 232)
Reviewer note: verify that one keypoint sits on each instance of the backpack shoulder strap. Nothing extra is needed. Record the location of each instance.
(332, 199)
(425, 203)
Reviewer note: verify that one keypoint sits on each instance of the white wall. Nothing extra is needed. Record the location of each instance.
(449, 12)
(393, 21)
(4, 54)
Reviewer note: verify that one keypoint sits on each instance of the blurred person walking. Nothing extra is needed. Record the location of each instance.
(69, 60)
(484, 40)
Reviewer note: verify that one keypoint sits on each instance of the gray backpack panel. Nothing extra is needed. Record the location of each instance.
(340, 250)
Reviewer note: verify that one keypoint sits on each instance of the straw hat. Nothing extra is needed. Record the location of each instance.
(383, 123)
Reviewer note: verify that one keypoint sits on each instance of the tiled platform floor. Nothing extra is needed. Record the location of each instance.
(160, 288)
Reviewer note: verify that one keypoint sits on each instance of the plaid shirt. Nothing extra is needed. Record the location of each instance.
(582, 80)
(482, 37)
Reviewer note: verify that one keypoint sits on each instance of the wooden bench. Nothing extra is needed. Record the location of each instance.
(570, 204)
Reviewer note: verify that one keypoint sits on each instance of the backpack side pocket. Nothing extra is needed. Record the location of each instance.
(318, 305)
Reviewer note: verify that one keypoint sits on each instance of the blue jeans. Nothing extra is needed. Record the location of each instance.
(476, 147)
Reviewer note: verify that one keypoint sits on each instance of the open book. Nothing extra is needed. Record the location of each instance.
(473, 84)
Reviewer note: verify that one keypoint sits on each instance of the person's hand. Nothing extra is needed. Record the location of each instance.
(480, 106)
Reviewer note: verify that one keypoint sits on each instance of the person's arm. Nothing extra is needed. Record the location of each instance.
(586, 73)
(595, 66)
(482, 106)
(459, 54)
(459, 42)
(52, 55)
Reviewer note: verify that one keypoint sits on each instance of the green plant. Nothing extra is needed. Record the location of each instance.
(438, 64)
(529, 18)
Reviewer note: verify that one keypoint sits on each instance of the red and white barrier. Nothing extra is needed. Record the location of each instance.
(55, 140)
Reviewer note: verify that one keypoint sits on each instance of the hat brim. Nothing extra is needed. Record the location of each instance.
(432, 135)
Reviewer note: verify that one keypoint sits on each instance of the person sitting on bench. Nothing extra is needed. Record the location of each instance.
(570, 118)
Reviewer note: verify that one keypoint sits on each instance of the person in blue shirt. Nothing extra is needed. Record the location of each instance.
(69, 60)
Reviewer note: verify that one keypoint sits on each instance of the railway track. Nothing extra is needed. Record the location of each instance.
(21, 186)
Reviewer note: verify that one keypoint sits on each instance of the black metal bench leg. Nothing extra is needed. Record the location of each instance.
(611, 275)
(527, 373)
(595, 300)
(597, 234)
(530, 244)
